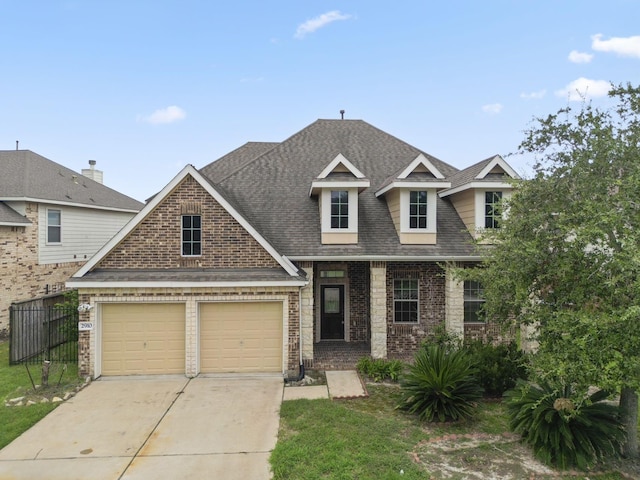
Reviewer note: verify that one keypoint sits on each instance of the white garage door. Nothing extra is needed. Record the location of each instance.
(241, 337)
(143, 338)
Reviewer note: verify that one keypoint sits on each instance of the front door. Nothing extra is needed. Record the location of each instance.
(332, 312)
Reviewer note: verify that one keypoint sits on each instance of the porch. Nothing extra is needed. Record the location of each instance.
(338, 355)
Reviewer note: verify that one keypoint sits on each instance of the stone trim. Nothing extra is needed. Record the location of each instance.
(454, 303)
(378, 308)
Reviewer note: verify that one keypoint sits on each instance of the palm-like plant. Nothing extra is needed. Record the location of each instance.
(562, 433)
(440, 385)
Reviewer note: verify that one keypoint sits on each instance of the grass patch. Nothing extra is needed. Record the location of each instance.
(370, 438)
(14, 382)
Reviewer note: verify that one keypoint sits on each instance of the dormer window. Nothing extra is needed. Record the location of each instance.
(339, 209)
(477, 194)
(492, 211)
(418, 209)
(412, 199)
(337, 188)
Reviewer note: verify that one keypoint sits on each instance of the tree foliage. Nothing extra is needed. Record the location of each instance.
(568, 256)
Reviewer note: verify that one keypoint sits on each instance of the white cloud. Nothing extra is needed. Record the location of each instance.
(625, 47)
(580, 57)
(492, 108)
(164, 115)
(584, 87)
(533, 95)
(323, 20)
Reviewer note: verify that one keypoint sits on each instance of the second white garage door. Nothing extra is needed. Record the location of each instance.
(241, 337)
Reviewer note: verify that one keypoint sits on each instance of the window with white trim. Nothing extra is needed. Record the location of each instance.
(54, 226)
(405, 300)
(418, 209)
(339, 209)
(191, 235)
(492, 210)
(473, 302)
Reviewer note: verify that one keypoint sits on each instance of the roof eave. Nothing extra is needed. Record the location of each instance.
(470, 185)
(182, 284)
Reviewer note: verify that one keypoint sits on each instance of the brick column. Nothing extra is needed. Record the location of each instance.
(306, 313)
(378, 308)
(454, 304)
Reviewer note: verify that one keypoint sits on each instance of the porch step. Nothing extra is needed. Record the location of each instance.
(345, 384)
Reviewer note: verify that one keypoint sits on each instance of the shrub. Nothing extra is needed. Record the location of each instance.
(562, 431)
(379, 369)
(440, 385)
(443, 338)
(499, 366)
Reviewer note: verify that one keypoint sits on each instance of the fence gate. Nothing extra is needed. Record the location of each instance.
(38, 333)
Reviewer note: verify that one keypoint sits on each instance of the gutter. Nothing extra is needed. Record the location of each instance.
(386, 258)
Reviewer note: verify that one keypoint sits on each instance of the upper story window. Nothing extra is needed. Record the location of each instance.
(405, 300)
(418, 209)
(473, 301)
(339, 209)
(492, 210)
(54, 226)
(191, 235)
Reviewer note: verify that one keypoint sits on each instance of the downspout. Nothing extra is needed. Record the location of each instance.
(301, 368)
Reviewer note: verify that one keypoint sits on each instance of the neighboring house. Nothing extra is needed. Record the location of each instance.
(329, 245)
(52, 220)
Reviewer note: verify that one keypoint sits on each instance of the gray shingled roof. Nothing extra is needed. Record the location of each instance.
(188, 275)
(272, 192)
(232, 161)
(9, 216)
(469, 174)
(26, 174)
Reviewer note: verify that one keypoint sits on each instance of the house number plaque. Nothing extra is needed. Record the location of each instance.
(82, 326)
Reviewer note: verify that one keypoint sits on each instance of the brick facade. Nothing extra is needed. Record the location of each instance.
(155, 242)
(21, 277)
(358, 273)
(404, 339)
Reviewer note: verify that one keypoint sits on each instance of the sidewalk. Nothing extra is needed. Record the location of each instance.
(340, 384)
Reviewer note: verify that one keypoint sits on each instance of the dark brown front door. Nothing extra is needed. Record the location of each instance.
(332, 312)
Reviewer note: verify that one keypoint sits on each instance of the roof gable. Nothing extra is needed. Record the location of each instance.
(492, 172)
(497, 165)
(340, 165)
(188, 175)
(420, 164)
(9, 217)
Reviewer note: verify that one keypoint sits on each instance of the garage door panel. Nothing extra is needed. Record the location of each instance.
(143, 338)
(241, 337)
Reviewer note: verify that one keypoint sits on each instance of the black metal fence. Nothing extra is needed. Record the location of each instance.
(38, 333)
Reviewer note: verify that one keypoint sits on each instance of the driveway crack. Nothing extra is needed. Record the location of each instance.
(155, 427)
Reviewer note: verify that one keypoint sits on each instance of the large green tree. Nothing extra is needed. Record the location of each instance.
(567, 258)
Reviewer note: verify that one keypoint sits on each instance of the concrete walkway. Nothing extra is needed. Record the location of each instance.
(340, 384)
(154, 428)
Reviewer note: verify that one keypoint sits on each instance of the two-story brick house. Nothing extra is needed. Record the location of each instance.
(52, 220)
(280, 254)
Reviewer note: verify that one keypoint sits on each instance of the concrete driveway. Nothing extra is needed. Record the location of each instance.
(154, 428)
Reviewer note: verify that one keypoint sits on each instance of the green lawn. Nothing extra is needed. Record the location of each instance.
(369, 439)
(14, 382)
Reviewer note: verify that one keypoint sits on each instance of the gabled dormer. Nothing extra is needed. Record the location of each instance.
(412, 199)
(337, 188)
(477, 193)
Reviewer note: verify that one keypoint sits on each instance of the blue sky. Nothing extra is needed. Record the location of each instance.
(145, 87)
